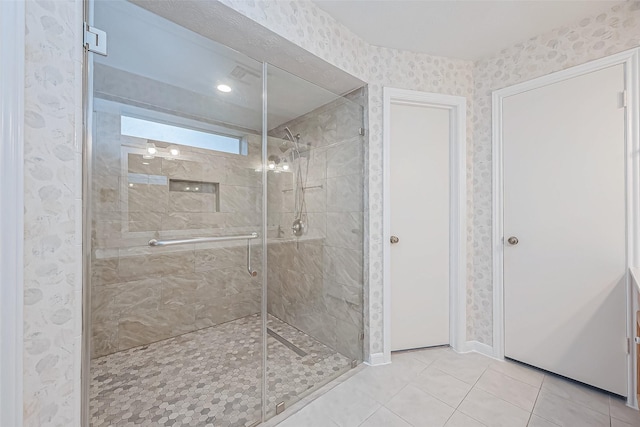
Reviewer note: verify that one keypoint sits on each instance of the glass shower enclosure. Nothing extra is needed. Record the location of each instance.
(226, 223)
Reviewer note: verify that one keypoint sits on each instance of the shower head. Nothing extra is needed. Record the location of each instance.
(289, 141)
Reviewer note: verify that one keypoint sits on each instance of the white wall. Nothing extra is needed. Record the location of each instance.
(53, 138)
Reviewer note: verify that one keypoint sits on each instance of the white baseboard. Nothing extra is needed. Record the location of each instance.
(377, 359)
(478, 347)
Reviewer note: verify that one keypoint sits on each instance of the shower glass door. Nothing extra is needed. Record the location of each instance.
(315, 234)
(176, 328)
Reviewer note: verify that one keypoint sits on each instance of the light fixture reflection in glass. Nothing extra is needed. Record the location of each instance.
(224, 88)
(272, 165)
(174, 151)
(151, 148)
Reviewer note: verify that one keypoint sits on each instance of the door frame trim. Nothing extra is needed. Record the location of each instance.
(457, 105)
(630, 60)
(12, 63)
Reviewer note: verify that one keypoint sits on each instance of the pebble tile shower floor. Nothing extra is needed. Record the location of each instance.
(210, 377)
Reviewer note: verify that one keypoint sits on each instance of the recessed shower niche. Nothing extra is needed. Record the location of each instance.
(253, 315)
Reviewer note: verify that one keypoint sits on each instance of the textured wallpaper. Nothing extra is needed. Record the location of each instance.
(53, 225)
(589, 39)
(53, 167)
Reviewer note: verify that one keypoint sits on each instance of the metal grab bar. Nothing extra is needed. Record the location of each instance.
(252, 273)
(247, 237)
(154, 242)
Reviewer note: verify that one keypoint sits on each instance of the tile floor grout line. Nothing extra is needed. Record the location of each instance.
(465, 397)
(534, 403)
(576, 402)
(517, 379)
(396, 414)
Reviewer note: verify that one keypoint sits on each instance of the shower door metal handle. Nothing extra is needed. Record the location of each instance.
(247, 237)
(154, 242)
(394, 239)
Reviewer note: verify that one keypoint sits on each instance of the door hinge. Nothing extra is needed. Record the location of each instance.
(95, 40)
(362, 131)
(623, 99)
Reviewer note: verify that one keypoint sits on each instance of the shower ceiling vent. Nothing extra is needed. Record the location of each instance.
(241, 73)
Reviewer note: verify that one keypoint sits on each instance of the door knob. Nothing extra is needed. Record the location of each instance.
(394, 239)
(513, 240)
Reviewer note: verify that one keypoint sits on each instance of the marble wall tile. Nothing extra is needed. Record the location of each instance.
(348, 340)
(344, 194)
(281, 254)
(350, 120)
(315, 196)
(105, 338)
(106, 193)
(192, 202)
(144, 221)
(182, 169)
(147, 326)
(346, 158)
(297, 286)
(243, 172)
(317, 164)
(136, 164)
(181, 290)
(350, 294)
(104, 271)
(346, 230)
(343, 266)
(219, 258)
(140, 267)
(345, 311)
(148, 198)
(240, 199)
(316, 223)
(192, 221)
(109, 302)
(224, 309)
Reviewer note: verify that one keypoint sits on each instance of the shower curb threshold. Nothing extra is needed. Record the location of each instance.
(299, 405)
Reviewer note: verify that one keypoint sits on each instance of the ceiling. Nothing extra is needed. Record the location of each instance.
(458, 29)
(155, 62)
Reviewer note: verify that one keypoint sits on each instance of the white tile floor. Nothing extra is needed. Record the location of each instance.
(440, 388)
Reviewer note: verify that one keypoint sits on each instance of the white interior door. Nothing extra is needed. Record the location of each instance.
(564, 200)
(419, 196)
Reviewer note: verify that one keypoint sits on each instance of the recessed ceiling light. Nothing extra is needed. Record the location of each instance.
(224, 88)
